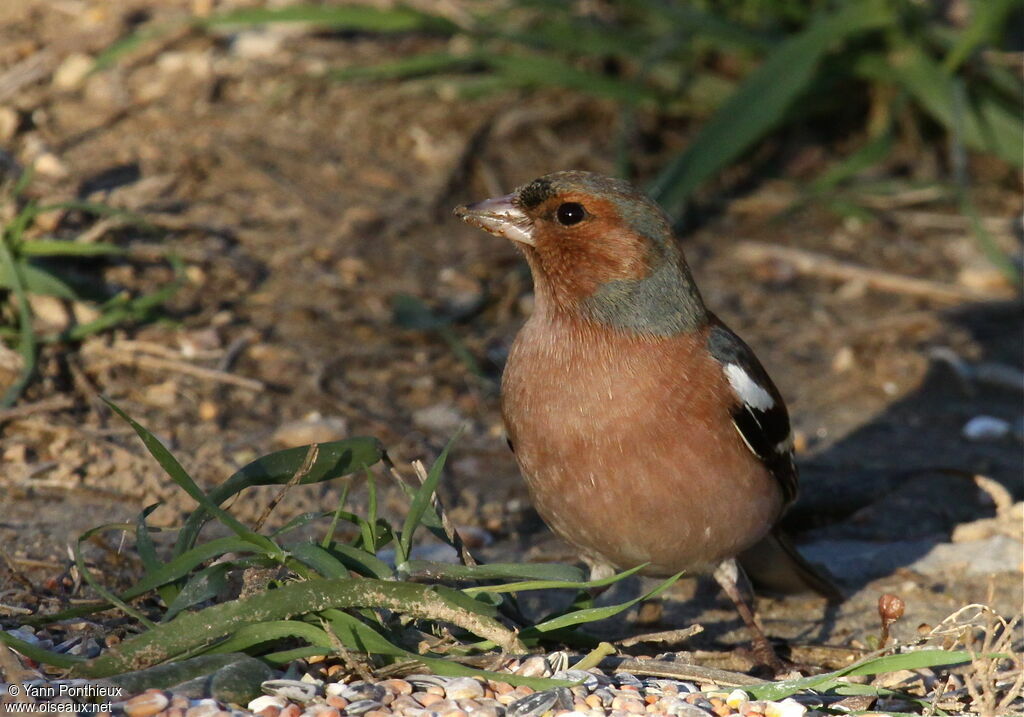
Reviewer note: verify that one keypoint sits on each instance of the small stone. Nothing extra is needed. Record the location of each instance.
(363, 691)
(147, 704)
(312, 428)
(337, 701)
(208, 411)
(204, 708)
(534, 705)
(292, 710)
(296, 690)
(464, 688)
(986, 428)
(440, 418)
(786, 708)
(362, 706)
(265, 701)
(257, 44)
(399, 687)
(427, 698)
(736, 698)
(72, 71)
(9, 123)
(48, 165)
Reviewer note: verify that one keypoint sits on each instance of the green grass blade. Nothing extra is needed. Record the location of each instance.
(334, 459)
(421, 502)
(44, 657)
(987, 24)
(761, 101)
(336, 516)
(986, 123)
(867, 156)
(407, 67)
(250, 636)
(20, 274)
(495, 571)
(319, 559)
(147, 552)
(10, 270)
(553, 584)
(360, 561)
(536, 71)
(89, 578)
(178, 474)
(332, 17)
(205, 585)
(65, 248)
(182, 565)
(592, 614)
(915, 660)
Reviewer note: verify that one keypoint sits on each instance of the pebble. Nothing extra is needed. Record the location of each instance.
(464, 688)
(148, 704)
(296, 690)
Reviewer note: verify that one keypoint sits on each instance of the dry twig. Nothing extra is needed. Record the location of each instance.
(156, 363)
(815, 264)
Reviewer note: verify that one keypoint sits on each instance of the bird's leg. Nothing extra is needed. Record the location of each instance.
(734, 583)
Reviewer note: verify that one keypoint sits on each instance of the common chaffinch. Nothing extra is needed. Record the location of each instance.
(647, 431)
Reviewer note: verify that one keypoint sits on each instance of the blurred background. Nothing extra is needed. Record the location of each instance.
(234, 219)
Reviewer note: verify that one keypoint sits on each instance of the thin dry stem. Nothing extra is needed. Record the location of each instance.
(302, 472)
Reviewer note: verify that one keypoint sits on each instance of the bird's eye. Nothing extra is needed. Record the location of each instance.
(570, 213)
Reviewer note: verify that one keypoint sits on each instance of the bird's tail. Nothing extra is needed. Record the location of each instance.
(775, 565)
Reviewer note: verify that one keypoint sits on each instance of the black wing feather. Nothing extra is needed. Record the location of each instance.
(766, 431)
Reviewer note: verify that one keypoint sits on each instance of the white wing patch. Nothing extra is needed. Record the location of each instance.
(750, 392)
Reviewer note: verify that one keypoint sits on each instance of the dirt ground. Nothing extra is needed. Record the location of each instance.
(301, 207)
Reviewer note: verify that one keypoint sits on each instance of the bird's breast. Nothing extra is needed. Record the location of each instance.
(627, 446)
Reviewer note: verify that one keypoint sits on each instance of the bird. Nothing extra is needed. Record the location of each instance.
(646, 430)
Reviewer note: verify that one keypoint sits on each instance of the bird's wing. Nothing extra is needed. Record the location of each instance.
(760, 414)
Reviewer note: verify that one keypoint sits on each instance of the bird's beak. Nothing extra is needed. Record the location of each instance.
(499, 216)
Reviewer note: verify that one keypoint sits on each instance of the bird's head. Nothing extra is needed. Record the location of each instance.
(599, 249)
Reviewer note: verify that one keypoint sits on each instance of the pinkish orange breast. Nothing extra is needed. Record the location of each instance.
(628, 448)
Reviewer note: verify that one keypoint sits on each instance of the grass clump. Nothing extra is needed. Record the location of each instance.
(325, 596)
(37, 265)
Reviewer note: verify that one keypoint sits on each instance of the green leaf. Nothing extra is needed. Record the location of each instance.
(422, 501)
(334, 459)
(553, 584)
(415, 66)
(986, 123)
(45, 657)
(61, 247)
(87, 575)
(333, 17)
(178, 474)
(36, 280)
(495, 571)
(867, 156)
(578, 617)
(17, 282)
(183, 564)
(360, 561)
(208, 583)
(761, 101)
(250, 636)
(988, 22)
(319, 559)
(914, 660)
(533, 71)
